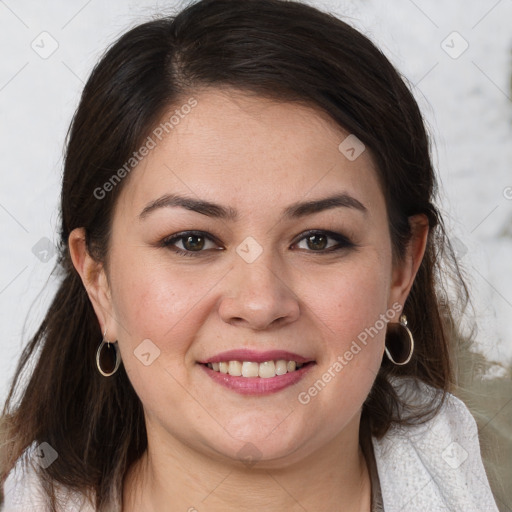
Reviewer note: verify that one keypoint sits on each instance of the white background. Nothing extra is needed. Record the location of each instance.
(466, 102)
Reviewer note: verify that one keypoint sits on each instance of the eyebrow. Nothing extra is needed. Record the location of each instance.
(295, 210)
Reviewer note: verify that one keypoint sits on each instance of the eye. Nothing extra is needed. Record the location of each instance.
(193, 243)
(323, 241)
(190, 243)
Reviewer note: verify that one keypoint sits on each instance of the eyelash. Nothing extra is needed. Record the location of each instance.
(343, 243)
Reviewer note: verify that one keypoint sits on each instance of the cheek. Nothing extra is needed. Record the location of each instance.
(348, 312)
(152, 302)
(350, 299)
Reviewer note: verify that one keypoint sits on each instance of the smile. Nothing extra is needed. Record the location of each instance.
(250, 369)
(252, 372)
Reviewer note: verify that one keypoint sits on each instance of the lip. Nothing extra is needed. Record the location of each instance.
(257, 385)
(255, 356)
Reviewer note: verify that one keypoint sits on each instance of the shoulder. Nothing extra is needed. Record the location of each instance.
(435, 465)
(23, 491)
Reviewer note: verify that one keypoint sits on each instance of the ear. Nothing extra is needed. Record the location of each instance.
(95, 282)
(404, 271)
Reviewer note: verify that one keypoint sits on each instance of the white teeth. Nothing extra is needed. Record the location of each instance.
(235, 368)
(250, 369)
(265, 370)
(281, 368)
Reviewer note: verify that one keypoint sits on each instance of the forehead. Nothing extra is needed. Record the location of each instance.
(251, 152)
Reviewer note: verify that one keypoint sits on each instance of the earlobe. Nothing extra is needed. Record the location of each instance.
(94, 279)
(405, 271)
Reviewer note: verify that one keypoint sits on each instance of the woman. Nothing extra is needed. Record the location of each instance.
(252, 313)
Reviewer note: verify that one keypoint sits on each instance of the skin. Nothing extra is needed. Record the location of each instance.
(258, 157)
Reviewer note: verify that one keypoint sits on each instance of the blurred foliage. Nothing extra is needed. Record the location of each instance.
(490, 401)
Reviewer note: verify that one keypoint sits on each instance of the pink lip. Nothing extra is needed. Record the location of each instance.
(257, 385)
(255, 356)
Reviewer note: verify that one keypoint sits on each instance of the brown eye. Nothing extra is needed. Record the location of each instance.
(193, 242)
(323, 242)
(190, 243)
(316, 242)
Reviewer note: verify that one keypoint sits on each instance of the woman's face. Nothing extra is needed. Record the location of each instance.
(290, 254)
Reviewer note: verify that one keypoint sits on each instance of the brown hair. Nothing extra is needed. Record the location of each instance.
(277, 49)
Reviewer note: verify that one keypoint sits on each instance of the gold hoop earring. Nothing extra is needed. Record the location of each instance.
(113, 361)
(403, 324)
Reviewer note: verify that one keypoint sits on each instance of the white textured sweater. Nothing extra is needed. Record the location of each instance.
(432, 467)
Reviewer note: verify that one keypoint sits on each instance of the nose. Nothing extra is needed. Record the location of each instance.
(257, 296)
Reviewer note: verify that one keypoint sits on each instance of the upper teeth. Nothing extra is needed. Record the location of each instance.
(249, 369)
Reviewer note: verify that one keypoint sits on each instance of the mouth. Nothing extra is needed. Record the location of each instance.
(251, 372)
(252, 369)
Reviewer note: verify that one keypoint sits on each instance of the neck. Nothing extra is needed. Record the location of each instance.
(333, 478)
